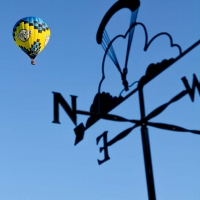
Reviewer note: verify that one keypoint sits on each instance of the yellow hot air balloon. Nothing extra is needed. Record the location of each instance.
(31, 34)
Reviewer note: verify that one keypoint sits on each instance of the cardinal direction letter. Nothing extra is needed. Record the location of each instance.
(59, 100)
(191, 90)
(105, 148)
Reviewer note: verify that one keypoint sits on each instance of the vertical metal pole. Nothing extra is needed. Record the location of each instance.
(146, 149)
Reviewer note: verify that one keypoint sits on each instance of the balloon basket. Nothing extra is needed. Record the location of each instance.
(33, 62)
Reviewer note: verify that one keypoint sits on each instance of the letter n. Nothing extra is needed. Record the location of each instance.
(59, 100)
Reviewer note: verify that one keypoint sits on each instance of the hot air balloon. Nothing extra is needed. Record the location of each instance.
(31, 34)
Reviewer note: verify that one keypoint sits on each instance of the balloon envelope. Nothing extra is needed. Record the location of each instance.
(31, 34)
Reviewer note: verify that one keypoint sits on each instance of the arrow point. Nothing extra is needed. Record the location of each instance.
(79, 132)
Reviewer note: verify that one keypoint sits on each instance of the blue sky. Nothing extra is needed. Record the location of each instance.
(38, 159)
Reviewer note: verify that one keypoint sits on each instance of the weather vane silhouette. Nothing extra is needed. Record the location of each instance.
(103, 102)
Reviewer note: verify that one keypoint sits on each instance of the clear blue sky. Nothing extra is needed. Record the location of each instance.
(38, 159)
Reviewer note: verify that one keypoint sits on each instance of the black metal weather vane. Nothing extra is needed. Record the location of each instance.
(104, 102)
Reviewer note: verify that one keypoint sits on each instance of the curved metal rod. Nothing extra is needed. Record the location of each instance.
(170, 38)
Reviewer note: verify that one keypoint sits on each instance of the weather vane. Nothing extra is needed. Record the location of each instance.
(103, 102)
